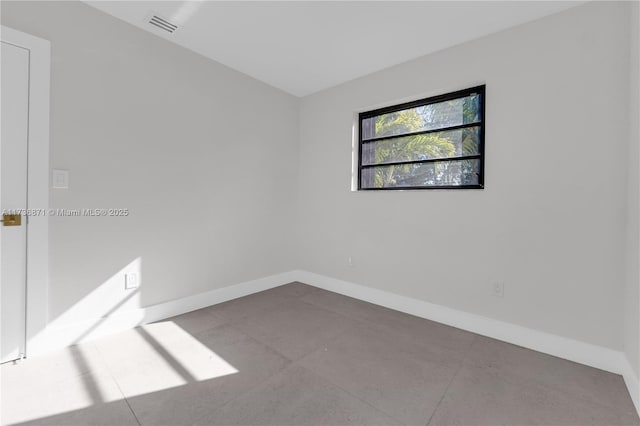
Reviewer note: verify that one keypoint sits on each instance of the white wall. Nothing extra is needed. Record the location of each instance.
(146, 125)
(204, 157)
(632, 283)
(551, 221)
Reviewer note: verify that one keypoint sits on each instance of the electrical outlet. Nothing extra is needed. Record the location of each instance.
(130, 281)
(497, 289)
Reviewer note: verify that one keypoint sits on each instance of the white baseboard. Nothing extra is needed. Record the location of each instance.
(633, 385)
(60, 336)
(573, 350)
(562, 347)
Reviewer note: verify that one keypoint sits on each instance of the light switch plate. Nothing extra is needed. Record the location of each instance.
(61, 179)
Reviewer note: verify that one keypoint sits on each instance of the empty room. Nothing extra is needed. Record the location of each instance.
(320, 213)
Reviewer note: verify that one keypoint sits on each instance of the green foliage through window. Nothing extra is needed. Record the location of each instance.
(432, 143)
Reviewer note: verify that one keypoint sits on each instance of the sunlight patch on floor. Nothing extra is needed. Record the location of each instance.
(176, 358)
(158, 356)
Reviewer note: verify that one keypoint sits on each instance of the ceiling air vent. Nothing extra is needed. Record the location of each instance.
(162, 23)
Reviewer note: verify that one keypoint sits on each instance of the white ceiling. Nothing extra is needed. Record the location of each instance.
(303, 47)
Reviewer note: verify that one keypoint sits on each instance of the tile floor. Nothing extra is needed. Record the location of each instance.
(297, 355)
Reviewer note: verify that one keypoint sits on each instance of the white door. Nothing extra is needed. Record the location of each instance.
(14, 63)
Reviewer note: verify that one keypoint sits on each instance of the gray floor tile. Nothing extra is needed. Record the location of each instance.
(65, 380)
(191, 377)
(413, 328)
(296, 329)
(296, 396)
(357, 363)
(112, 414)
(84, 392)
(197, 321)
(52, 368)
(389, 373)
(520, 364)
(250, 306)
(477, 397)
(155, 357)
(294, 290)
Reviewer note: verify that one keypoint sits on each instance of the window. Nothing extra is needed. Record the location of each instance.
(431, 143)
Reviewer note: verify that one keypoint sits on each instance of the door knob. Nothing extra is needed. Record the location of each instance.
(11, 220)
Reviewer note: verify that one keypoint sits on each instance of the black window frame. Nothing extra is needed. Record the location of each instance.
(477, 90)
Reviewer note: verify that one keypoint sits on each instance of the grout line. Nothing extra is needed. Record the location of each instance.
(261, 382)
(291, 363)
(91, 388)
(130, 408)
(452, 379)
(115, 380)
(362, 323)
(331, 383)
(467, 352)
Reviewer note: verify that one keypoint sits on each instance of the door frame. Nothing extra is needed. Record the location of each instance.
(37, 282)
